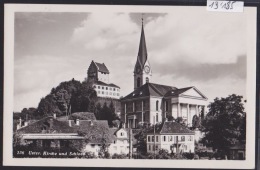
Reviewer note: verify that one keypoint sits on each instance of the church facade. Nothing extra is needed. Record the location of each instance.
(152, 103)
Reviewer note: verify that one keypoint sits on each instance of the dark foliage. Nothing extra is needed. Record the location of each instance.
(224, 124)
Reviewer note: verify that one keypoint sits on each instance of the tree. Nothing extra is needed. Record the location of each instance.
(223, 124)
(196, 121)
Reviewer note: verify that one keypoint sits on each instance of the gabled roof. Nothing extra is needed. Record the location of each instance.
(105, 84)
(149, 89)
(182, 92)
(171, 127)
(102, 67)
(176, 92)
(94, 131)
(47, 125)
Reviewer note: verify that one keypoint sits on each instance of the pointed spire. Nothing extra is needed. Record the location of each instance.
(142, 53)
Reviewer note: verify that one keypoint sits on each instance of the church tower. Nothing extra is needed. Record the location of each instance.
(142, 71)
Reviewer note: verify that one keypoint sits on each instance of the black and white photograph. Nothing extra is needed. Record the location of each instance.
(153, 86)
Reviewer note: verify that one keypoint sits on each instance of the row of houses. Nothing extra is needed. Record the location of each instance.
(92, 134)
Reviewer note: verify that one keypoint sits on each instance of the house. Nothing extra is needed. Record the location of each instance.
(171, 136)
(84, 135)
(121, 141)
(152, 102)
(98, 76)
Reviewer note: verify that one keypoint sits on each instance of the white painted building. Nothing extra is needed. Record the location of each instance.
(121, 142)
(172, 137)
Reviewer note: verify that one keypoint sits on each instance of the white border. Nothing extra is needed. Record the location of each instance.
(249, 163)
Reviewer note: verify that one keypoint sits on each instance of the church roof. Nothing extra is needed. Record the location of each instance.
(102, 67)
(142, 53)
(171, 127)
(176, 92)
(105, 84)
(149, 89)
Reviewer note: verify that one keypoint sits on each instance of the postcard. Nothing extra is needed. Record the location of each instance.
(153, 86)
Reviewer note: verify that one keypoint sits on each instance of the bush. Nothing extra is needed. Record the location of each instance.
(189, 155)
(119, 156)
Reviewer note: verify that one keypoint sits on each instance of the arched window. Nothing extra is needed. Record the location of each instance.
(157, 117)
(157, 105)
(147, 80)
(138, 82)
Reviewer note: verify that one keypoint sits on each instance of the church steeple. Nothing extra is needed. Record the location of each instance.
(142, 53)
(142, 71)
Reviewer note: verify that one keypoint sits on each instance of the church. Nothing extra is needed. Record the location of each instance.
(152, 103)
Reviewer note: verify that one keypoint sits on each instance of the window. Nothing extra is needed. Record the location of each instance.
(156, 147)
(102, 92)
(166, 105)
(182, 138)
(164, 138)
(147, 80)
(170, 138)
(110, 88)
(149, 139)
(98, 92)
(149, 147)
(98, 87)
(152, 138)
(110, 93)
(106, 93)
(94, 86)
(157, 139)
(106, 88)
(122, 134)
(157, 105)
(138, 82)
(92, 145)
(144, 105)
(102, 87)
(190, 138)
(114, 89)
(157, 117)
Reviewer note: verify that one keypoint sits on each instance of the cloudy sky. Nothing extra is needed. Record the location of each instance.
(185, 48)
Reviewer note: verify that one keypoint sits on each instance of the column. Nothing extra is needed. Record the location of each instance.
(197, 110)
(128, 125)
(133, 122)
(178, 110)
(188, 114)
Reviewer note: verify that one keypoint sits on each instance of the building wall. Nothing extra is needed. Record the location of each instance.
(107, 91)
(186, 145)
(104, 77)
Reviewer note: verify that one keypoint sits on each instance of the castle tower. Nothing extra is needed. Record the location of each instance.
(142, 70)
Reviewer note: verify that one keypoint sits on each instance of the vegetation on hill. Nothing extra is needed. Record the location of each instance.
(70, 97)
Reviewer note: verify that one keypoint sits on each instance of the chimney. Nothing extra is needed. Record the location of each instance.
(54, 115)
(77, 122)
(70, 123)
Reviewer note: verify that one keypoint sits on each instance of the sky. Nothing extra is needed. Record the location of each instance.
(185, 48)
